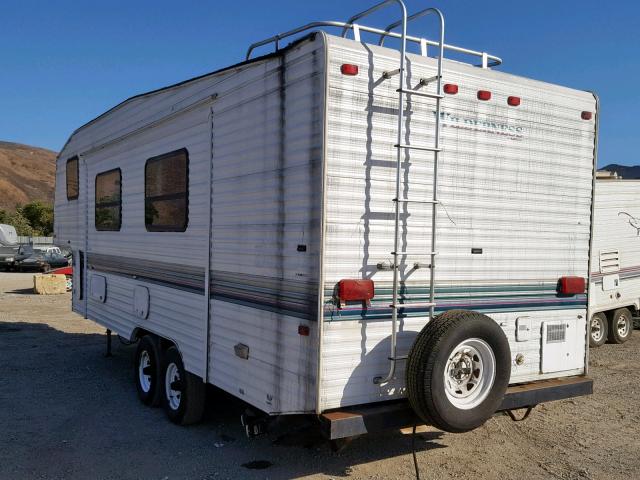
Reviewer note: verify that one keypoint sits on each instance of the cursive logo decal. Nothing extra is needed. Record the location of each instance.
(633, 221)
(452, 120)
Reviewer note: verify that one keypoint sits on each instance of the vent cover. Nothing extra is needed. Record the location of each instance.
(609, 261)
(141, 301)
(556, 333)
(98, 288)
(563, 345)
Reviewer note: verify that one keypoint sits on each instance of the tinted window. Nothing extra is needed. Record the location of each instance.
(167, 192)
(108, 200)
(72, 178)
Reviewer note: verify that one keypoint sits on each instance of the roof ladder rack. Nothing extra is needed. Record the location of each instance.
(486, 60)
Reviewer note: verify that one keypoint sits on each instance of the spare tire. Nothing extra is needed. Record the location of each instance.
(458, 370)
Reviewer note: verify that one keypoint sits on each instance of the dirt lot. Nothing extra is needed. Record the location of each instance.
(68, 412)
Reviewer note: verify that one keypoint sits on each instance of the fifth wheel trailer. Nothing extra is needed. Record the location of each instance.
(358, 225)
(614, 297)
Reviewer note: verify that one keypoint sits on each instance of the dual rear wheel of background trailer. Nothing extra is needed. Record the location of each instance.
(161, 379)
(614, 326)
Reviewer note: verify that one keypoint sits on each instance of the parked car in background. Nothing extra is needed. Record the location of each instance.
(55, 258)
(28, 259)
(23, 252)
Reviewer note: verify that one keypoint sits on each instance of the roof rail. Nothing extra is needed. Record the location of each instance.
(486, 60)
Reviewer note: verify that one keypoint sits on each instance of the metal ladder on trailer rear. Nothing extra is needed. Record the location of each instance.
(402, 146)
(486, 62)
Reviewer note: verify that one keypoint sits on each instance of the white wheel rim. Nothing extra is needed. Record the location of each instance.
(144, 379)
(173, 396)
(469, 373)
(596, 329)
(622, 326)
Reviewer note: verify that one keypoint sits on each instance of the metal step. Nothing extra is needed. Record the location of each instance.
(419, 94)
(416, 147)
(402, 357)
(406, 200)
(415, 254)
(408, 305)
(418, 265)
(387, 267)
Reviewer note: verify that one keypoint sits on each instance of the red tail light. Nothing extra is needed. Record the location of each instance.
(355, 290)
(450, 88)
(571, 285)
(349, 69)
(586, 115)
(513, 101)
(303, 330)
(484, 95)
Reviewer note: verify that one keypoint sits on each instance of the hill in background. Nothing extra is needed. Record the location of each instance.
(26, 174)
(626, 172)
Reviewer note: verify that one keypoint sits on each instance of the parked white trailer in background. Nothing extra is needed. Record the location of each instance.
(614, 297)
(8, 244)
(312, 192)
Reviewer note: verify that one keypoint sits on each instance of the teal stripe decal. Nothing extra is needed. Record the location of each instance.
(480, 298)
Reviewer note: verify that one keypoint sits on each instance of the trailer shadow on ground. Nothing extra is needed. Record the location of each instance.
(77, 410)
(22, 291)
(67, 412)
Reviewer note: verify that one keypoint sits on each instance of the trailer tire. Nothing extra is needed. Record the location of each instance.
(183, 393)
(598, 330)
(621, 326)
(458, 370)
(148, 371)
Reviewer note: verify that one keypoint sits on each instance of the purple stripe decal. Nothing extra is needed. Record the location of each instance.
(627, 272)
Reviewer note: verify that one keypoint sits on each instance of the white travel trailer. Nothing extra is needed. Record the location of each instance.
(8, 244)
(614, 295)
(273, 228)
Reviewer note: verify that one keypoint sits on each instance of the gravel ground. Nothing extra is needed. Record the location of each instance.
(67, 412)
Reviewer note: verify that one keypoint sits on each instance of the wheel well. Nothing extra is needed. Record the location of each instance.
(632, 308)
(138, 333)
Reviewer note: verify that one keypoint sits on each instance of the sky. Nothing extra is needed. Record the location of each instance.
(64, 62)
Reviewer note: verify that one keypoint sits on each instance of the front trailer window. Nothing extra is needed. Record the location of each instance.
(108, 213)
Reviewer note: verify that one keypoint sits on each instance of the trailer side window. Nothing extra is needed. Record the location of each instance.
(72, 179)
(108, 213)
(166, 192)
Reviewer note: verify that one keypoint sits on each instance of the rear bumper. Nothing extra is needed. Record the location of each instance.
(533, 393)
(363, 419)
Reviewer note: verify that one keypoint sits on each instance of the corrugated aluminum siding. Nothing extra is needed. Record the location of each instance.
(175, 314)
(267, 121)
(267, 180)
(616, 234)
(514, 182)
(523, 199)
